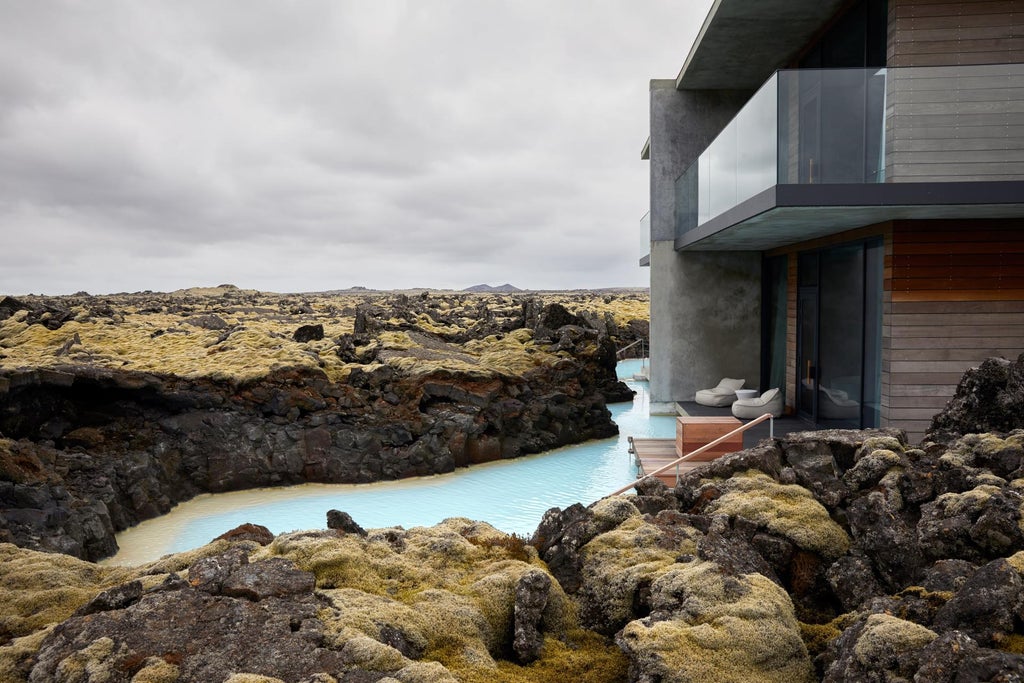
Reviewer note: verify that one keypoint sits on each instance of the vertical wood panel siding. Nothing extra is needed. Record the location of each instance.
(791, 286)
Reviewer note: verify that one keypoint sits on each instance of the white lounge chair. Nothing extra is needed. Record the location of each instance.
(749, 408)
(722, 395)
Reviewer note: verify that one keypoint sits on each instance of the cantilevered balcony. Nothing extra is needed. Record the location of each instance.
(815, 152)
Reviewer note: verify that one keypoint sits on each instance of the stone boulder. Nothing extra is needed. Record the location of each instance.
(989, 398)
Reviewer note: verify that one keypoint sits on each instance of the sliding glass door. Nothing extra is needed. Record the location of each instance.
(839, 335)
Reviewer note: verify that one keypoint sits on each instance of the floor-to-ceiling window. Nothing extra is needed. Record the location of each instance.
(839, 334)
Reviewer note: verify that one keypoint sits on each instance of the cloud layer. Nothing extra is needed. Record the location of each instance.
(307, 146)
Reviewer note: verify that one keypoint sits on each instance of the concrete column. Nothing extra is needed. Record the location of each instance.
(705, 306)
(705, 321)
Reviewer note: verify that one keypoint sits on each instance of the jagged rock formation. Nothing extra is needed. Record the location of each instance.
(458, 601)
(989, 398)
(89, 446)
(835, 556)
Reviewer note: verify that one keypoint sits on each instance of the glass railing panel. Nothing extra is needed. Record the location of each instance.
(686, 200)
(755, 143)
(832, 126)
(645, 235)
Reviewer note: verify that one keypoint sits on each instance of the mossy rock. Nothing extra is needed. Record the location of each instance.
(786, 510)
(723, 628)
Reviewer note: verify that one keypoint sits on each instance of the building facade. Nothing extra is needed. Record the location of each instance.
(837, 205)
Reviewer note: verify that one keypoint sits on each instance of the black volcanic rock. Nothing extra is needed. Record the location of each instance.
(989, 398)
(308, 333)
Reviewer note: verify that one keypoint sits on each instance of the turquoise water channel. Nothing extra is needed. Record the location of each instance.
(512, 495)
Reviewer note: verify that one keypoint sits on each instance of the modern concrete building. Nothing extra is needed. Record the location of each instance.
(837, 204)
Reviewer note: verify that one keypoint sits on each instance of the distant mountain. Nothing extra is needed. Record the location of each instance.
(487, 288)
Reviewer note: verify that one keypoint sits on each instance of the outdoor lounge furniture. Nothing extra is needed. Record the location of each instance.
(768, 402)
(722, 395)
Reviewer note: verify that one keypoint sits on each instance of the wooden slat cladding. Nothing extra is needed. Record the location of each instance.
(939, 32)
(954, 123)
(957, 261)
(791, 299)
(957, 298)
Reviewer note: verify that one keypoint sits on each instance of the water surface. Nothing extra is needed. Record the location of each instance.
(512, 495)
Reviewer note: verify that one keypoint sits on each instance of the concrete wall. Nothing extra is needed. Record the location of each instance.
(705, 306)
(705, 321)
(683, 124)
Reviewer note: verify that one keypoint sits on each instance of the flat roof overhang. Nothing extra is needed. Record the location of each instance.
(787, 214)
(742, 42)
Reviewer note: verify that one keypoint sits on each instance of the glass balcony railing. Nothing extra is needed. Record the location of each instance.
(896, 125)
(645, 238)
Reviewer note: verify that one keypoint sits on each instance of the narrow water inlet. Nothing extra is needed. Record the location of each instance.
(512, 495)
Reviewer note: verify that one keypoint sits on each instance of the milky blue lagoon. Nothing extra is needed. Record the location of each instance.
(512, 495)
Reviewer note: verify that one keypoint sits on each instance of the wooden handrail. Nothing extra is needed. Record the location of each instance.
(675, 463)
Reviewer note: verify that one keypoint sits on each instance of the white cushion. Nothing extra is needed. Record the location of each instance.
(730, 384)
(716, 397)
(768, 402)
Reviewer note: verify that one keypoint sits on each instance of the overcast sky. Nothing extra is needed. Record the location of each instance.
(304, 146)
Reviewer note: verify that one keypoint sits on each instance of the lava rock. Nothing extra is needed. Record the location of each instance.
(308, 333)
(342, 521)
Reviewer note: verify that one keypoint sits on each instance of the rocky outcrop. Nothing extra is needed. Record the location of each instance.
(444, 603)
(88, 450)
(856, 556)
(835, 556)
(989, 398)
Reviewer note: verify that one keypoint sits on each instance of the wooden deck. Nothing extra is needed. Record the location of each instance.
(650, 454)
(692, 433)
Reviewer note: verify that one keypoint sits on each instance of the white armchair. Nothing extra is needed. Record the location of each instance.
(749, 408)
(722, 395)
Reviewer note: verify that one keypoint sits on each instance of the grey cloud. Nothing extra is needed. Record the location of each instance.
(315, 145)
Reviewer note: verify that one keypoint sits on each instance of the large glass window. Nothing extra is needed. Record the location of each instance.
(839, 338)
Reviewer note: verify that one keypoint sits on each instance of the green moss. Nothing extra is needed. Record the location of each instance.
(952, 504)
(874, 443)
(372, 655)
(450, 589)
(885, 637)
(425, 672)
(614, 510)
(39, 589)
(1017, 561)
(817, 637)
(789, 511)
(156, 670)
(91, 663)
(17, 655)
(728, 629)
(1012, 643)
(586, 658)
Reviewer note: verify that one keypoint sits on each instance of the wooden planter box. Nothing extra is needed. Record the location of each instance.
(693, 432)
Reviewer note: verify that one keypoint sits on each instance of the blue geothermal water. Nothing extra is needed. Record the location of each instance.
(512, 495)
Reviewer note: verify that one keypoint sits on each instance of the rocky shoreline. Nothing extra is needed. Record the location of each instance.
(821, 556)
(833, 556)
(87, 449)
